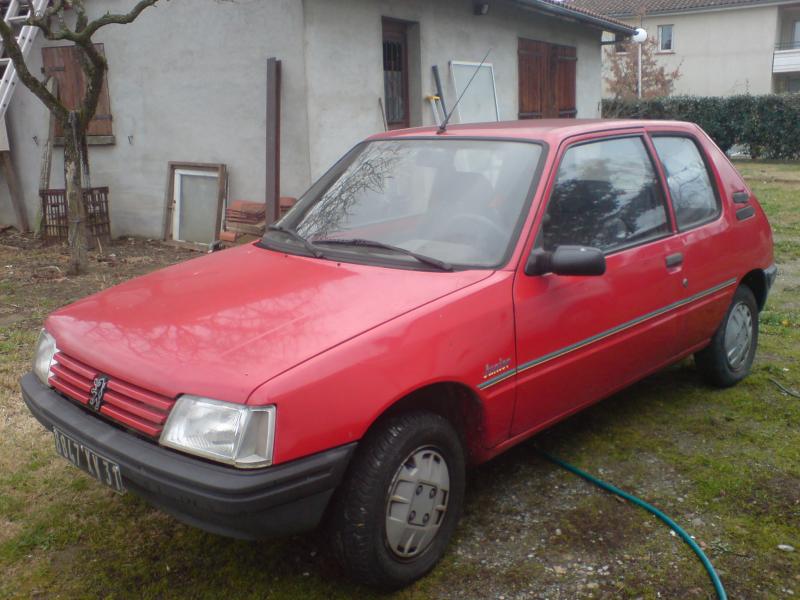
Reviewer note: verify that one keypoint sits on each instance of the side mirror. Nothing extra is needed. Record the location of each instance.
(567, 260)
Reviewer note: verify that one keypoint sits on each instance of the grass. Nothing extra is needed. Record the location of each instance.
(724, 463)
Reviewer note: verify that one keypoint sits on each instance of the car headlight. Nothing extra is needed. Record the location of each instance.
(43, 359)
(235, 434)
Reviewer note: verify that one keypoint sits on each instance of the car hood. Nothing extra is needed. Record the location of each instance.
(223, 324)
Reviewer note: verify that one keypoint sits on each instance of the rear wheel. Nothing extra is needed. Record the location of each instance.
(401, 500)
(729, 357)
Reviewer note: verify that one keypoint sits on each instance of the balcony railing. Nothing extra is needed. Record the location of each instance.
(787, 45)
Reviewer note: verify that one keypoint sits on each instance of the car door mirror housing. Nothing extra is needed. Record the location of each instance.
(567, 260)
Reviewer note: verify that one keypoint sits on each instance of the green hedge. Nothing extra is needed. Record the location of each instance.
(768, 126)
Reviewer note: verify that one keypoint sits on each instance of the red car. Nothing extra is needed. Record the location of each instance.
(431, 301)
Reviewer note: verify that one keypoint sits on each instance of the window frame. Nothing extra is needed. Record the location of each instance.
(709, 169)
(656, 164)
(671, 49)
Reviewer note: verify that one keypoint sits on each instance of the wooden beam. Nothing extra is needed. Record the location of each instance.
(15, 190)
(273, 164)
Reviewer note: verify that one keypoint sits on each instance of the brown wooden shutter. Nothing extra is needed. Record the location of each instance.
(547, 80)
(63, 63)
(566, 74)
(533, 60)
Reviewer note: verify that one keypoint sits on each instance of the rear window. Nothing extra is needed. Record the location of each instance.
(690, 186)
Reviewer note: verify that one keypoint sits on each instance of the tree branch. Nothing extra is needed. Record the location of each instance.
(26, 77)
(111, 19)
(95, 66)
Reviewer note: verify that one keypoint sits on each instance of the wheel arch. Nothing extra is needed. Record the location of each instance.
(756, 280)
(454, 401)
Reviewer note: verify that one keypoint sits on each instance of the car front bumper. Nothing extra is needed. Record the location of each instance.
(248, 504)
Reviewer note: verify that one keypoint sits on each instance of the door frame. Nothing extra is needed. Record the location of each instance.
(397, 29)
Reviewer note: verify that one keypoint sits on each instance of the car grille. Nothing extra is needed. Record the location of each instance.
(125, 403)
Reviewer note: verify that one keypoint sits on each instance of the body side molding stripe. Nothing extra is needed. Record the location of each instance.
(604, 334)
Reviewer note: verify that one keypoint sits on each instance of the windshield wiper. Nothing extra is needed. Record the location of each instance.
(315, 252)
(428, 260)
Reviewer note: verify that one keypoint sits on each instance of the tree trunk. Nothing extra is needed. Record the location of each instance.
(78, 260)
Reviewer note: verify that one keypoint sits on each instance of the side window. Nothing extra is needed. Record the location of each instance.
(607, 196)
(665, 41)
(690, 186)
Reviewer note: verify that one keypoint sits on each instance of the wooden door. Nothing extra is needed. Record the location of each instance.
(547, 80)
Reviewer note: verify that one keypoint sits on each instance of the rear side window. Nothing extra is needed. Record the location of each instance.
(689, 182)
(607, 196)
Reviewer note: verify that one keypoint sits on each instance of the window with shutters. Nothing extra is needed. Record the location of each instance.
(63, 63)
(547, 80)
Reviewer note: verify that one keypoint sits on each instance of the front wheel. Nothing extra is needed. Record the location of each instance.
(401, 500)
(729, 357)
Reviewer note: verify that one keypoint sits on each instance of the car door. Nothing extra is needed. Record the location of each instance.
(580, 338)
(708, 277)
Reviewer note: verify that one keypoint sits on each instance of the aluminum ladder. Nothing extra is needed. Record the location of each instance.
(16, 14)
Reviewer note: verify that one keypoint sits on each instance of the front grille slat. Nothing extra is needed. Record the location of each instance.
(127, 419)
(135, 408)
(69, 390)
(128, 404)
(85, 385)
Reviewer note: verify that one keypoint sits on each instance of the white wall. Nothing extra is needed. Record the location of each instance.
(344, 68)
(187, 83)
(720, 53)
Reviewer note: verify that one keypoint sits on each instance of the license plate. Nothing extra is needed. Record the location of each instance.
(87, 460)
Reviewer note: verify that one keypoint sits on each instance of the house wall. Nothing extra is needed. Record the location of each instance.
(344, 64)
(720, 53)
(187, 83)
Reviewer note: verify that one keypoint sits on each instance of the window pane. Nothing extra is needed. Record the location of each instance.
(689, 184)
(606, 196)
(460, 201)
(665, 37)
(199, 205)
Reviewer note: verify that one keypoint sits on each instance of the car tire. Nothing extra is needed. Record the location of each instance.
(729, 357)
(416, 457)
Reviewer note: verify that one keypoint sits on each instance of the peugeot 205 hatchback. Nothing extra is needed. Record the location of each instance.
(430, 302)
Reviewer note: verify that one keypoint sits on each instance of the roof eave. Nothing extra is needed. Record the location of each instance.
(565, 12)
(701, 9)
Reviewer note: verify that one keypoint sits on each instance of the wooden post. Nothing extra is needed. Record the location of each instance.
(47, 152)
(273, 164)
(17, 199)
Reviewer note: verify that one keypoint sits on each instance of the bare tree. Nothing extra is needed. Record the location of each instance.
(623, 68)
(74, 122)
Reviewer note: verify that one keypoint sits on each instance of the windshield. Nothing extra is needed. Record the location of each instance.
(456, 201)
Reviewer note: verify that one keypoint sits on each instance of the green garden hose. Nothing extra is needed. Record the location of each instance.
(652, 509)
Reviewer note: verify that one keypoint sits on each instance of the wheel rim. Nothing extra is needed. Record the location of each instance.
(417, 502)
(738, 335)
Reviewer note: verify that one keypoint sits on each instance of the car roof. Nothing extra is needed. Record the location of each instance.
(548, 130)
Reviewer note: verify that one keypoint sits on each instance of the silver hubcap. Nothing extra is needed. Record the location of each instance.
(417, 502)
(738, 335)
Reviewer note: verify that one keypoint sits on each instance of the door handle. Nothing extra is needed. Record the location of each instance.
(674, 260)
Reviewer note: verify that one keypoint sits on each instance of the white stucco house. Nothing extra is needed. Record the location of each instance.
(188, 82)
(723, 47)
